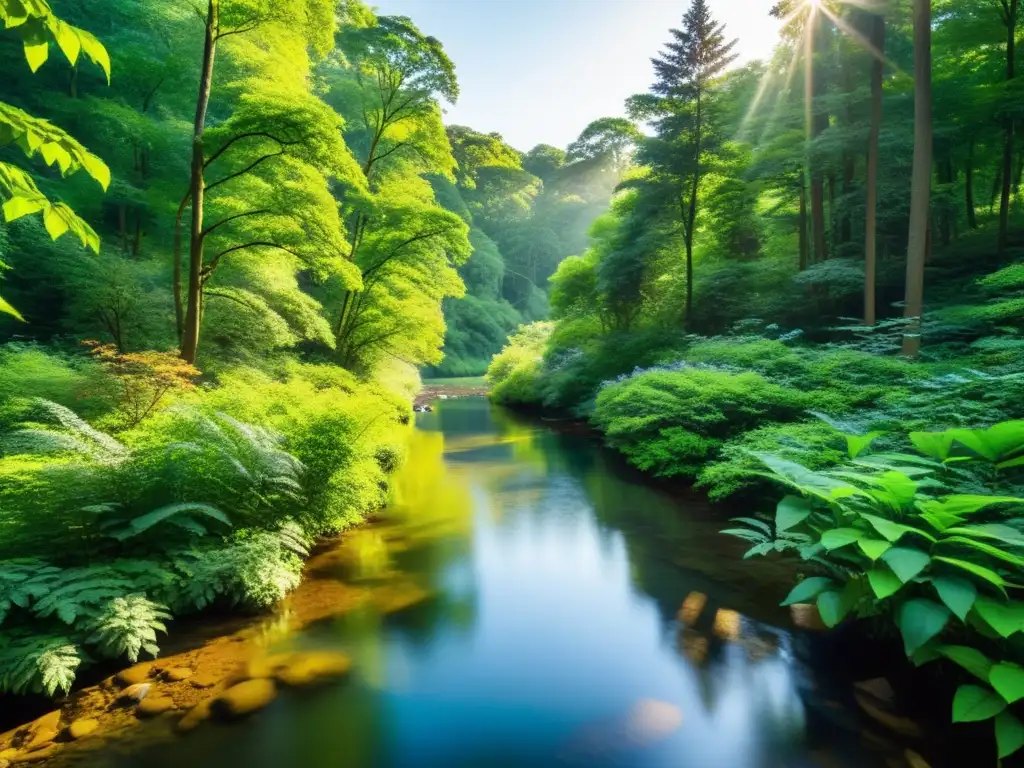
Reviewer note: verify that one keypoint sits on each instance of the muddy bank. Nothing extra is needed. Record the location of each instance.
(218, 668)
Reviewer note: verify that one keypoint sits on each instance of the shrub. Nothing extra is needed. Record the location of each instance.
(927, 544)
(514, 372)
(646, 417)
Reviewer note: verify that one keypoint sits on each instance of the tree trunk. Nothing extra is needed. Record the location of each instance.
(190, 334)
(1007, 170)
(871, 213)
(179, 308)
(920, 197)
(819, 122)
(803, 224)
(972, 215)
(946, 215)
(137, 240)
(122, 226)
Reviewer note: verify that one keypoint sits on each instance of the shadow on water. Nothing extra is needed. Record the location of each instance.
(531, 615)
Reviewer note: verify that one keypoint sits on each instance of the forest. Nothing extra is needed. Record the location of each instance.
(235, 234)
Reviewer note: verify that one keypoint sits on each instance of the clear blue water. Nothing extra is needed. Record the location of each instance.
(551, 636)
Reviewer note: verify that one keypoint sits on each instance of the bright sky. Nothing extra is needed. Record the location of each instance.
(538, 71)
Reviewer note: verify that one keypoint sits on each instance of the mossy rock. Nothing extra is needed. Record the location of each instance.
(82, 727)
(152, 706)
(199, 714)
(244, 699)
(312, 668)
(134, 675)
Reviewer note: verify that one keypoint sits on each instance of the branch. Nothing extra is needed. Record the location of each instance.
(415, 238)
(212, 227)
(245, 170)
(393, 149)
(208, 269)
(247, 135)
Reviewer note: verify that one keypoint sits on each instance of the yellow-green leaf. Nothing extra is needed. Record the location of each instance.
(54, 223)
(7, 309)
(67, 39)
(19, 206)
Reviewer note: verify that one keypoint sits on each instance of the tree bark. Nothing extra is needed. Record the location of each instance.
(803, 224)
(920, 198)
(946, 217)
(1010, 19)
(871, 211)
(819, 122)
(190, 334)
(972, 215)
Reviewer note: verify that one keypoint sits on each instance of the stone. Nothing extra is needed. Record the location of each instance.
(244, 699)
(199, 714)
(42, 731)
(177, 674)
(134, 675)
(82, 727)
(135, 692)
(4, 762)
(265, 667)
(893, 722)
(35, 757)
(151, 706)
(304, 669)
(691, 608)
(7, 754)
(878, 687)
(203, 681)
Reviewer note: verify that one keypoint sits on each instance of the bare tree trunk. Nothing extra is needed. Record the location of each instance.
(871, 213)
(1010, 19)
(179, 308)
(137, 240)
(190, 334)
(819, 122)
(803, 224)
(920, 198)
(946, 217)
(122, 226)
(972, 215)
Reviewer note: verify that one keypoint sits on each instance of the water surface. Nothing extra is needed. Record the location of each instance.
(551, 635)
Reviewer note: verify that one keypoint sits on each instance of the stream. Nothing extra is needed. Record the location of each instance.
(547, 629)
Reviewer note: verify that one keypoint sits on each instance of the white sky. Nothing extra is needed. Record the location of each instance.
(538, 71)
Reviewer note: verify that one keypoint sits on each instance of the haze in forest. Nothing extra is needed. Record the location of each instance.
(538, 71)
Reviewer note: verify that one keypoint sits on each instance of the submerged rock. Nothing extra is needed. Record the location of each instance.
(203, 681)
(305, 669)
(82, 727)
(41, 732)
(199, 714)
(244, 699)
(36, 756)
(177, 674)
(134, 675)
(152, 706)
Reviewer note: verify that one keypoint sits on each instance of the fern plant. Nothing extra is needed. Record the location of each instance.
(125, 626)
(31, 663)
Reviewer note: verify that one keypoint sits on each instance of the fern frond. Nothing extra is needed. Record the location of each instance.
(126, 626)
(38, 664)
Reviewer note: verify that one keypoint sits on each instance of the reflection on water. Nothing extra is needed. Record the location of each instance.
(534, 603)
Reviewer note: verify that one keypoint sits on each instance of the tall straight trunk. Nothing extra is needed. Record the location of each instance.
(972, 215)
(1010, 19)
(179, 307)
(122, 226)
(190, 334)
(819, 122)
(137, 239)
(920, 196)
(946, 218)
(871, 213)
(803, 224)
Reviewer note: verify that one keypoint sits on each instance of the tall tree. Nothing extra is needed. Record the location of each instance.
(681, 107)
(877, 43)
(1008, 10)
(920, 196)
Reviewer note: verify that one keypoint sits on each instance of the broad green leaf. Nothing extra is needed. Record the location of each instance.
(971, 659)
(884, 583)
(36, 53)
(966, 503)
(833, 607)
(807, 589)
(1004, 534)
(919, 621)
(802, 478)
(873, 548)
(1006, 618)
(893, 531)
(790, 512)
(54, 223)
(958, 594)
(940, 520)
(906, 562)
(1009, 734)
(1008, 680)
(67, 39)
(1019, 461)
(17, 207)
(998, 442)
(7, 309)
(980, 571)
(840, 537)
(933, 444)
(988, 549)
(94, 49)
(973, 703)
(856, 444)
(97, 169)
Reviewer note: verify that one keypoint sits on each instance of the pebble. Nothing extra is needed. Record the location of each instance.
(195, 716)
(177, 674)
(151, 706)
(245, 698)
(81, 728)
(135, 692)
(134, 675)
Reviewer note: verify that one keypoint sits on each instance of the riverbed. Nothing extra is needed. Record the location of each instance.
(536, 602)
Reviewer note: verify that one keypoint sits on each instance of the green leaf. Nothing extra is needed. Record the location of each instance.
(1008, 680)
(840, 537)
(7, 309)
(906, 562)
(973, 703)
(856, 444)
(54, 223)
(894, 531)
(790, 512)
(1009, 734)
(36, 53)
(1005, 618)
(67, 39)
(873, 548)
(941, 520)
(1019, 461)
(807, 589)
(883, 582)
(933, 444)
(833, 608)
(998, 442)
(988, 549)
(919, 621)
(966, 503)
(143, 523)
(18, 206)
(980, 571)
(958, 594)
(971, 659)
